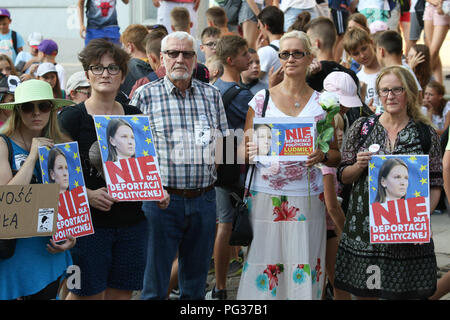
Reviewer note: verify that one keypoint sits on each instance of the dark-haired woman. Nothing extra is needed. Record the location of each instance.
(113, 259)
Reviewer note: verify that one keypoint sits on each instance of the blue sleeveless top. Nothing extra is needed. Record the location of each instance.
(32, 267)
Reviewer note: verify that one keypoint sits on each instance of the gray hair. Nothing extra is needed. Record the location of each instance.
(179, 35)
(297, 35)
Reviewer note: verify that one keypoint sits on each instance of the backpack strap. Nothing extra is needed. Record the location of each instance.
(230, 94)
(266, 101)
(274, 47)
(10, 149)
(14, 40)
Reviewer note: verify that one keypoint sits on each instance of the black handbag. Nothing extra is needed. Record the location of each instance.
(241, 232)
(7, 246)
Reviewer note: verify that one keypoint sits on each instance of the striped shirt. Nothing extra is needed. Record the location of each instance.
(184, 130)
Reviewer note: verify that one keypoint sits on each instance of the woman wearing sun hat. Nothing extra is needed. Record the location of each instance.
(38, 263)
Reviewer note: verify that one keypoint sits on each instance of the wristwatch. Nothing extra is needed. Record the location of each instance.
(325, 158)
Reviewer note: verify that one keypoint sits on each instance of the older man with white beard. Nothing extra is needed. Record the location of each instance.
(185, 115)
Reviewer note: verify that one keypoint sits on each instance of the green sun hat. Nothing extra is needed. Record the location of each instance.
(34, 90)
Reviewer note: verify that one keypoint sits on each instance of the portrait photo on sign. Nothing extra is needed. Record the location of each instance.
(130, 165)
(284, 139)
(399, 198)
(61, 164)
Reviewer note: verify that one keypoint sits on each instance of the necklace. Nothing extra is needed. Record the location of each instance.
(24, 143)
(297, 105)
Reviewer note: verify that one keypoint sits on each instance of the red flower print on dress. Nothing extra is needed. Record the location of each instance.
(272, 271)
(318, 270)
(284, 212)
(259, 104)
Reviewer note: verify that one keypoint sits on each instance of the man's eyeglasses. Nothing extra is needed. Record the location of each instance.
(175, 53)
(211, 44)
(296, 54)
(44, 107)
(384, 92)
(113, 69)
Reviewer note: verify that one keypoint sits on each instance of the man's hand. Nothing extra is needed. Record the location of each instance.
(156, 3)
(164, 203)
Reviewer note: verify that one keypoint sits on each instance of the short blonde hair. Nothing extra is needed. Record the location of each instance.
(412, 92)
(180, 19)
(297, 35)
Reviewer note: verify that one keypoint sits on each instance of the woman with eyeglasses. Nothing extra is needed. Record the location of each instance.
(38, 264)
(113, 259)
(286, 259)
(405, 271)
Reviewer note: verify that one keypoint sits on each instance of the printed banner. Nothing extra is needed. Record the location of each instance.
(286, 139)
(61, 165)
(399, 197)
(129, 158)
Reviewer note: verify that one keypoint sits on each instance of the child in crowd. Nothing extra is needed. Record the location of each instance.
(359, 45)
(47, 72)
(11, 42)
(216, 17)
(25, 59)
(6, 65)
(215, 68)
(209, 37)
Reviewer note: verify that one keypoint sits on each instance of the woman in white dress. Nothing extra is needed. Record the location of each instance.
(286, 259)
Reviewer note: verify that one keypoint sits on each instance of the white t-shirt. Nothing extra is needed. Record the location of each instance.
(405, 65)
(288, 178)
(437, 120)
(298, 4)
(268, 58)
(371, 92)
(61, 75)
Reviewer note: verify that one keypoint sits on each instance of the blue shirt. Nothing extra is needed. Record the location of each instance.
(237, 110)
(32, 267)
(7, 47)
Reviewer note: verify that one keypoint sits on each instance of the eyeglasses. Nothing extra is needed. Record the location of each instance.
(384, 92)
(296, 54)
(44, 107)
(88, 93)
(211, 44)
(175, 53)
(113, 69)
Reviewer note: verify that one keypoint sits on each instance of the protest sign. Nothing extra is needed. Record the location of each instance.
(129, 158)
(61, 165)
(284, 139)
(28, 210)
(399, 198)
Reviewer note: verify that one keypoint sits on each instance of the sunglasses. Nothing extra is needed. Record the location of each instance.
(44, 107)
(296, 54)
(175, 53)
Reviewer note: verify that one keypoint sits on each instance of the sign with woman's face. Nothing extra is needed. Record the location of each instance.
(129, 160)
(61, 165)
(284, 139)
(399, 202)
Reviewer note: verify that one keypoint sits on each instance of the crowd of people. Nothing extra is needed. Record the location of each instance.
(254, 59)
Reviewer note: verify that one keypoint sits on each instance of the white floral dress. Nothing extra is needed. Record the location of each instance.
(286, 259)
